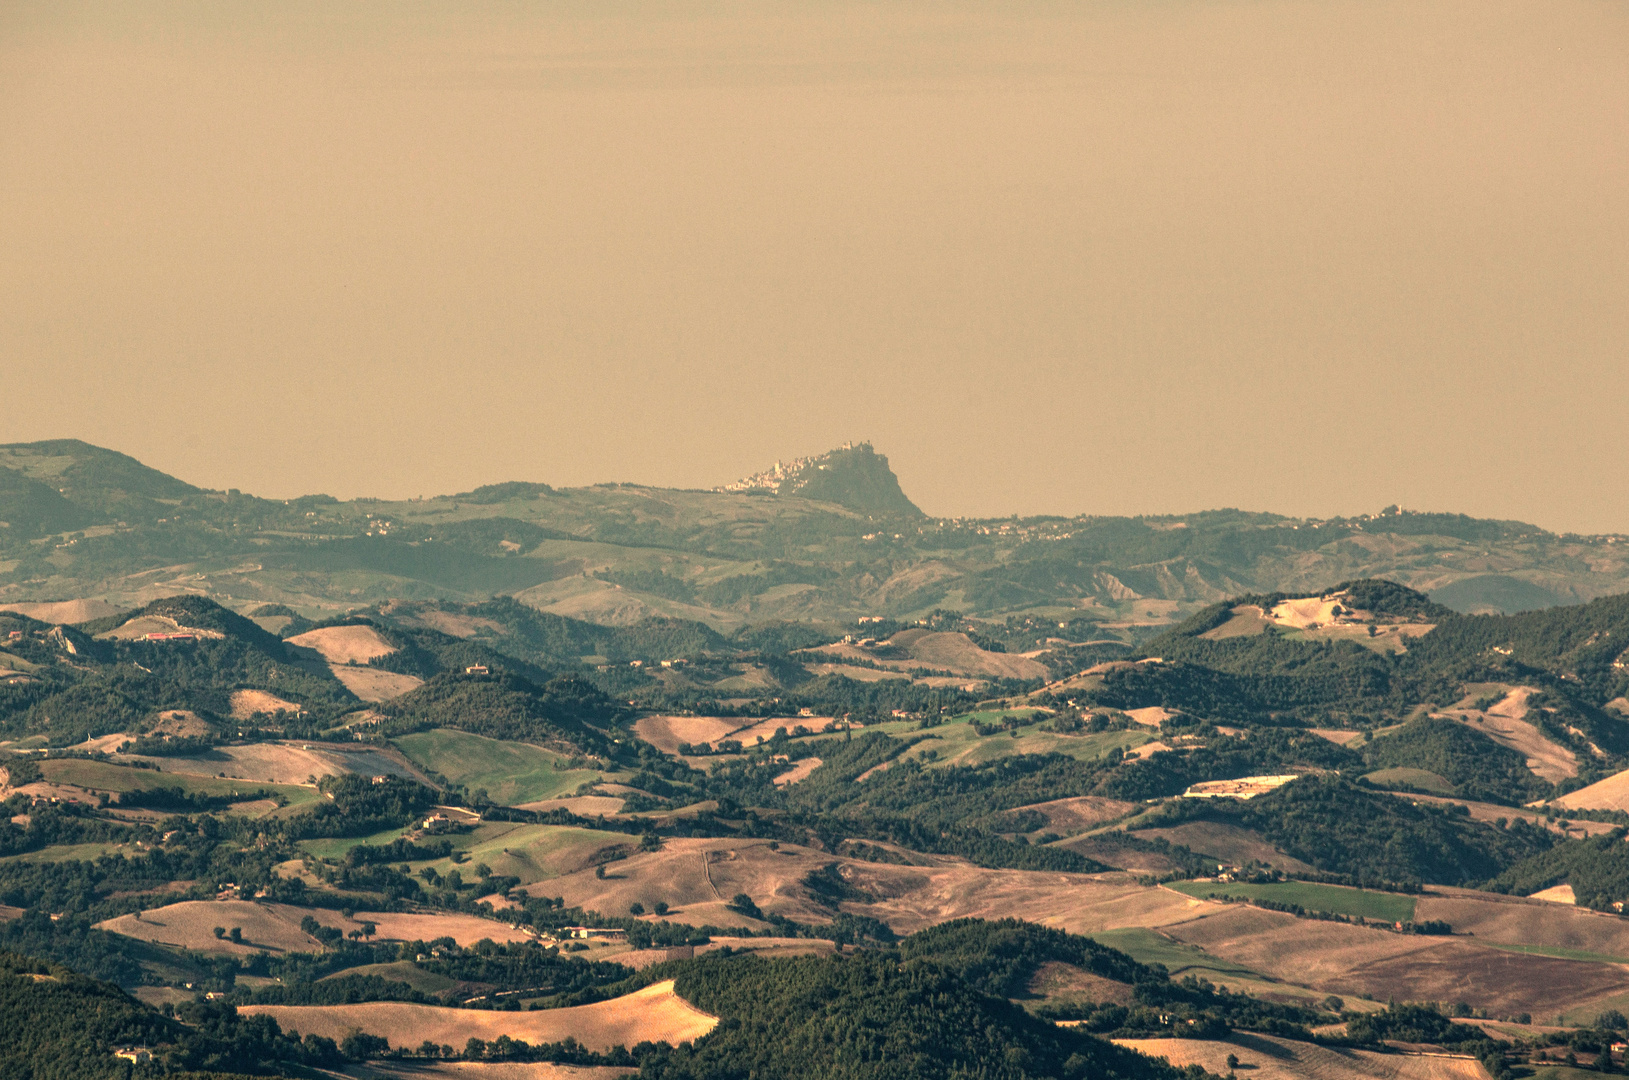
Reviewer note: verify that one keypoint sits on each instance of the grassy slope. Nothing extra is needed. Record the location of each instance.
(102, 776)
(512, 773)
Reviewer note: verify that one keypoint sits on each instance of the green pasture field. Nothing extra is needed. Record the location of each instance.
(529, 852)
(1337, 899)
(1559, 954)
(512, 773)
(105, 776)
(1414, 778)
(958, 744)
(336, 847)
(404, 971)
(74, 853)
(1147, 947)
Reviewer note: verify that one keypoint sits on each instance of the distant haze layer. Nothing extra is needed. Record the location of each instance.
(1313, 256)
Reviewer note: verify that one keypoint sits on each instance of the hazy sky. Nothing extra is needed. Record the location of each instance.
(1311, 256)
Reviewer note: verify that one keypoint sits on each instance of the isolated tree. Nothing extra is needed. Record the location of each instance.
(220, 932)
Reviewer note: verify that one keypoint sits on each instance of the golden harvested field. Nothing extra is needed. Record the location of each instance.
(958, 653)
(697, 877)
(343, 644)
(799, 771)
(484, 1070)
(581, 805)
(667, 732)
(1247, 621)
(276, 927)
(1556, 894)
(1263, 1057)
(245, 703)
(190, 924)
(1152, 716)
(773, 947)
(413, 926)
(1352, 960)
(1481, 811)
(1516, 921)
(375, 684)
(766, 729)
(1338, 736)
(654, 1014)
(1609, 794)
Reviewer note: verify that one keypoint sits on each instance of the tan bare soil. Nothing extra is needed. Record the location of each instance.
(245, 703)
(654, 1014)
(1264, 1057)
(343, 644)
(1505, 725)
(1152, 716)
(1078, 814)
(68, 612)
(1228, 843)
(1345, 959)
(375, 684)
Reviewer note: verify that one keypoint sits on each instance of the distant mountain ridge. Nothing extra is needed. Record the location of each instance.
(826, 538)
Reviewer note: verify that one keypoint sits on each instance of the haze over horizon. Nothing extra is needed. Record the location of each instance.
(1309, 258)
